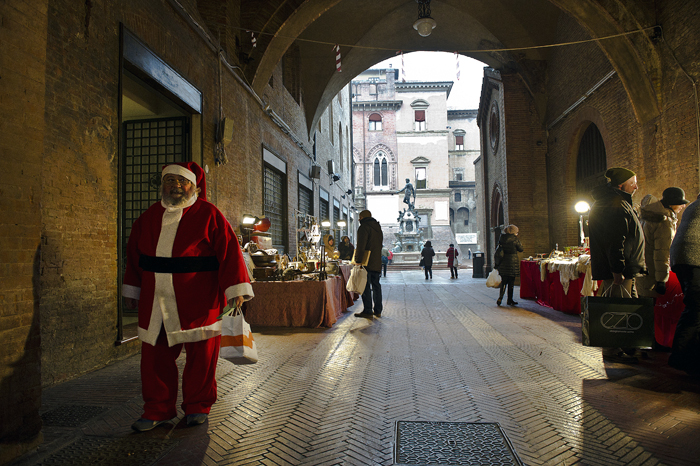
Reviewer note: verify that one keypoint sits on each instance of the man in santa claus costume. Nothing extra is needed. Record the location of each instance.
(184, 264)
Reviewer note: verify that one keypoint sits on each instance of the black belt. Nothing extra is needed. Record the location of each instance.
(189, 264)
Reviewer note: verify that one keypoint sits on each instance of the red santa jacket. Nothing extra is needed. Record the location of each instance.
(182, 266)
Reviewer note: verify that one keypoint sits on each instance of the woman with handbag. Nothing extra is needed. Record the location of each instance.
(507, 262)
(427, 258)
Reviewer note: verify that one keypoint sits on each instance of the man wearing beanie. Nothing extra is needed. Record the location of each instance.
(184, 264)
(617, 242)
(370, 238)
(685, 262)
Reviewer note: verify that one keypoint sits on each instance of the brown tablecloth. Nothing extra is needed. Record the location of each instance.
(299, 303)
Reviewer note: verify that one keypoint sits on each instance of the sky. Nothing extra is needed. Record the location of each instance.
(441, 66)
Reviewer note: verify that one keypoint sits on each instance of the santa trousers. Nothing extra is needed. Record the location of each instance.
(159, 375)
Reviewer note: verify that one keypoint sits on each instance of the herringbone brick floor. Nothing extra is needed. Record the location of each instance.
(442, 351)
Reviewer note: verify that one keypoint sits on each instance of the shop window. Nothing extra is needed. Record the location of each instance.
(375, 122)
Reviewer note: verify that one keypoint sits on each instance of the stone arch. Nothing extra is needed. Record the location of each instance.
(383, 148)
(585, 117)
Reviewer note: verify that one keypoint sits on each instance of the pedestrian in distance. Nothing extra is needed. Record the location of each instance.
(685, 263)
(385, 259)
(370, 239)
(452, 261)
(427, 254)
(508, 264)
(616, 244)
(184, 264)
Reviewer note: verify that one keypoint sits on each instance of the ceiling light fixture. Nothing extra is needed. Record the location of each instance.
(424, 24)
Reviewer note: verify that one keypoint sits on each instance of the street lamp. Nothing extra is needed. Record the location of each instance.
(582, 207)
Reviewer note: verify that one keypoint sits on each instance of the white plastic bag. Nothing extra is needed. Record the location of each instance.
(237, 344)
(494, 279)
(357, 280)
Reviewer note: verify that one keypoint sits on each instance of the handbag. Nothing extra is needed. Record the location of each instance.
(237, 344)
(494, 279)
(357, 280)
(617, 322)
(455, 261)
(422, 262)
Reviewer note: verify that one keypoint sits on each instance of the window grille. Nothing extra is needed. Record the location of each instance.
(323, 209)
(148, 145)
(275, 206)
(305, 204)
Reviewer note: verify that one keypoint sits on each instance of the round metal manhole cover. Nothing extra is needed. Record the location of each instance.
(453, 443)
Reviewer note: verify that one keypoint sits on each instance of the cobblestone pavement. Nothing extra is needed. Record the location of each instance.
(442, 351)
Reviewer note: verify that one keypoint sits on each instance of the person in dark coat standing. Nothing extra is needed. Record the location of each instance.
(427, 254)
(370, 238)
(617, 243)
(346, 249)
(452, 254)
(685, 262)
(509, 265)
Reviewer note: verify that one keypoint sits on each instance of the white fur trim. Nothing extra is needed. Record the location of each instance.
(180, 170)
(130, 291)
(182, 336)
(242, 289)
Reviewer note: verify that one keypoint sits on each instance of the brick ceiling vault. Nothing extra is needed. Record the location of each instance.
(370, 31)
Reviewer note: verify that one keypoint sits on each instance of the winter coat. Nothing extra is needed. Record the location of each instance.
(659, 226)
(370, 238)
(616, 237)
(427, 253)
(451, 254)
(346, 250)
(685, 249)
(510, 265)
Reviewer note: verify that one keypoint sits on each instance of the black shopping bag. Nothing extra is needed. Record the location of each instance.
(617, 322)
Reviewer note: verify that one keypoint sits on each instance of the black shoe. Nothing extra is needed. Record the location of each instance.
(196, 419)
(512, 303)
(144, 425)
(377, 314)
(366, 315)
(498, 302)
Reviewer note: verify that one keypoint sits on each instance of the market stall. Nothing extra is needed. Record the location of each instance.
(558, 281)
(304, 290)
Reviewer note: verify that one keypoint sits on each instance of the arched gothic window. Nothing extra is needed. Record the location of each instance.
(381, 170)
(591, 162)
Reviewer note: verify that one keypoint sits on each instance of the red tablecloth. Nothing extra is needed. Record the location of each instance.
(667, 311)
(298, 303)
(549, 292)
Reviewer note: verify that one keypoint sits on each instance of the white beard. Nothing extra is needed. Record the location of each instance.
(182, 202)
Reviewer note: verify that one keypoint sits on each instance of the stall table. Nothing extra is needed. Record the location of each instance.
(550, 292)
(299, 303)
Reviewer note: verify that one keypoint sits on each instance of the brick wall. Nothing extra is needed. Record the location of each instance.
(23, 38)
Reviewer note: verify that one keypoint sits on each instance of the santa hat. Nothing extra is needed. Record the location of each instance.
(190, 171)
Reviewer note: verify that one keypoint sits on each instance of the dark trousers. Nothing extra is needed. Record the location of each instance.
(384, 268)
(453, 272)
(685, 353)
(509, 281)
(428, 270)
(372, 293)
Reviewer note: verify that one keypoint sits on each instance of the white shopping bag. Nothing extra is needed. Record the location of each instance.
(237, 343)
(357, 280)
(494, 279)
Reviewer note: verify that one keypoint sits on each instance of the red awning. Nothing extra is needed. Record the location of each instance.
(459, 140)
(420, 115)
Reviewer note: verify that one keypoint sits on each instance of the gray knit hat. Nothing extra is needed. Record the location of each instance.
(618, 175)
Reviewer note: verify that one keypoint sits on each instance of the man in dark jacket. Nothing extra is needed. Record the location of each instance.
(617, 241)
(370, 238)
(685, 262)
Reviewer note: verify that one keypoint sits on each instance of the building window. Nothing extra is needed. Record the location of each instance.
(375, 122)
(459, 177)
(323, 205)
(275, 205)
(419, 120)
(494, 127)
(381, 169)
(306, 203)
(459, 142)
(458, 197)
(421, 178)
(591, 161)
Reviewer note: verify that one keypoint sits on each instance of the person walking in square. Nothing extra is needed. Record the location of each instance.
(452, 261)
(385, 259)
(427, 254)
(509, 266)
(370, 238)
